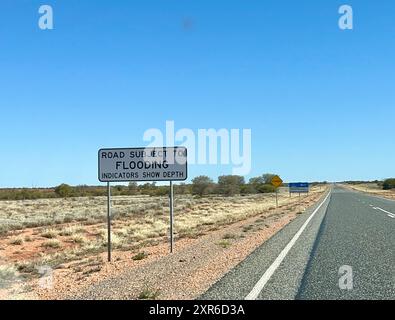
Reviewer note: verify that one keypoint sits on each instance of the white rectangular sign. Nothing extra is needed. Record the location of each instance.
(143, 164)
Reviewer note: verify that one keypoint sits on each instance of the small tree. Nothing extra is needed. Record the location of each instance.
(183, 188)
(64, 190)
(389, 184)
(133, 188)
(266, 188)
(247, 189)
(230, 185)
(268, 177)
(263, 183)
(257, 181)
(202, 185)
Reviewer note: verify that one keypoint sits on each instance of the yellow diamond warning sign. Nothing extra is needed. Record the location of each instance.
(276, 181)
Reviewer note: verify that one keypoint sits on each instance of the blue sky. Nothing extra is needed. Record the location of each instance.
(320, 101)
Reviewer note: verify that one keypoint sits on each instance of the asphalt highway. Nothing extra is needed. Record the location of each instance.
(342, 248)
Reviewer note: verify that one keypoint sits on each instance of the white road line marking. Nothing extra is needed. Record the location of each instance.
(270, 271)
(377, 208)
(391, 215)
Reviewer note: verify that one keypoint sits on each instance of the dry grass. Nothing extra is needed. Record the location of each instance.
(77, 238)
(75, 228)
(49, 234)
(53, 243)
(373, 189)
(16, 241)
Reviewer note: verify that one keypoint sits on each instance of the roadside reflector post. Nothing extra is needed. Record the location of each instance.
(109, 221)
(171, 217)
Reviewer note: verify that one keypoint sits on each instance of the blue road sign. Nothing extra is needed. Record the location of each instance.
(298, 187)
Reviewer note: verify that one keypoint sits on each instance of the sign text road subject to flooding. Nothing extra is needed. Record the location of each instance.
(143, 164)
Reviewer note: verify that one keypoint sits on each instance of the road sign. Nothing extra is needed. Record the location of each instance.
(298, 187)
(276, 181)
(143, 164)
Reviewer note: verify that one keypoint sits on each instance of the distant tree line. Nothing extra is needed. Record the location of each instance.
(227, 185)
(231, 185)
(387, 184)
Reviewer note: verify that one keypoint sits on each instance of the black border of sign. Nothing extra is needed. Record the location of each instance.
(103, 149)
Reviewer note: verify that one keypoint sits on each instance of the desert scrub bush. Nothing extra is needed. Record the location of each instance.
(28, 239)
(149, 294)
(37, 223)
(92, 270)
(7, 274)
(140, 256)
(123, 232)
(77, 238)
(144, 234)
(224, 244)
(53, 244)
(16, 241)
(27, 267)
(229, 236)
(116, 240)
(64, 191)
(389, 184)
(191, 233)
(3, 230)
(67, 219)
(69, 231)
(49, 234)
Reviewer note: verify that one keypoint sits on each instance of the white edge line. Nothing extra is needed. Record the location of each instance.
(270, 271)
(377, 208)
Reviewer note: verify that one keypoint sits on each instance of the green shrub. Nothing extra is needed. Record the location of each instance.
(7, 275)
(140, 256)
(224, 243)
(247, 189)
(389, 184)
(202, 185)
(230, 185)
(148, 294)
(266, 188)
(64, 190)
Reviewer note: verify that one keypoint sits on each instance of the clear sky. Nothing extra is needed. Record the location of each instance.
(320, 101)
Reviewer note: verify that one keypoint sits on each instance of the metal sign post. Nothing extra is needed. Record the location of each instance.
(276, 182)
(171, 217)
(109, 221)
(276, 197)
